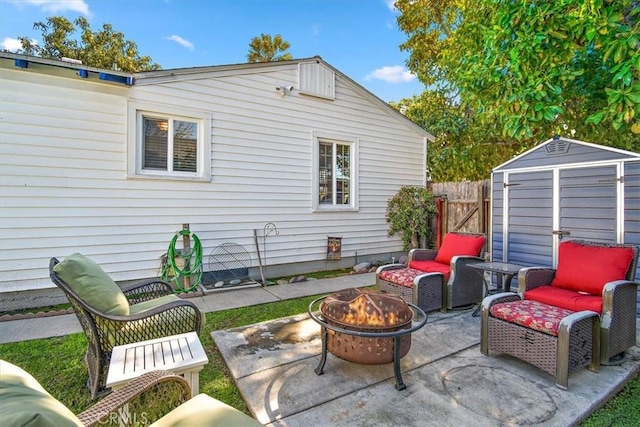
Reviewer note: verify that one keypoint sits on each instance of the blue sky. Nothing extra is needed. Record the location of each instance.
(358, 37)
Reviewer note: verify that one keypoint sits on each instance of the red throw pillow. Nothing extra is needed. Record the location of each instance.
(586, 268)
(459, 244)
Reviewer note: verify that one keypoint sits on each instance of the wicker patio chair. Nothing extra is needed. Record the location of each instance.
(618, 317)
(424, 282)
(148, 398)
(558, 328)
(144, 400)
(156, 398)
(153, 312)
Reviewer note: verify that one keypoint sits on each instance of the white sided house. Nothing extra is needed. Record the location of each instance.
(112, 164)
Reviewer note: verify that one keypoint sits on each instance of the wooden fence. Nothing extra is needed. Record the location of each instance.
(464, 206)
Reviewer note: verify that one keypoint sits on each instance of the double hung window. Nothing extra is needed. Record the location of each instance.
(335, 185)
(169, 144)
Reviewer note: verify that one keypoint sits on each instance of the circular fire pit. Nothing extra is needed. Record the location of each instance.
(367, 327)
(362, 311)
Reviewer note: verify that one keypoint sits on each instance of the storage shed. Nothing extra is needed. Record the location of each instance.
(563, 189)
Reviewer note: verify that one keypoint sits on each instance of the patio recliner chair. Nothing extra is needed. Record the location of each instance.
(111, 316)
(579, 314)
(438, 279)
(157, 398)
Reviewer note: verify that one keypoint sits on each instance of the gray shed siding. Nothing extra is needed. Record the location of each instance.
(632, 203)
(528, 219)
(496, 238)
(588, 192)
(588, 202)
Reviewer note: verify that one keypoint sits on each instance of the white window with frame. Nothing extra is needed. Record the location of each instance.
(168, 143)
(335, 184)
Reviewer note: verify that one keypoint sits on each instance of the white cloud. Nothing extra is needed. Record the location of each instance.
(56, 6)
(390, 4)
(391, 74)
(10, 44)
(181, 41)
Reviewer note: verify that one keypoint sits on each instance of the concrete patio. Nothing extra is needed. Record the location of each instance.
(449, 382)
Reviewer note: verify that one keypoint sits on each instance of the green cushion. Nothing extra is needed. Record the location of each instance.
(204, 410)
(93, 285)
(23, 401)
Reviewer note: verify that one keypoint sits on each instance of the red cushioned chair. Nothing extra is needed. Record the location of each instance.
(438, 279)
(576, 315)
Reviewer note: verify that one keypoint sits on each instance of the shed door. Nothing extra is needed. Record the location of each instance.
(587, 206)
(544, 207)
(529, 218)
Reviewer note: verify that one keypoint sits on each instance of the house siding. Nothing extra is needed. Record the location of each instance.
(65, 187)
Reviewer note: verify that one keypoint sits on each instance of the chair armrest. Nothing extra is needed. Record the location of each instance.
(491, 300)
(533, 277)
(172, 318)
(618, 294)
(389, 267)
(159, 311)
(145, 399)
(485, 314)
(618, 318)
(422, 254)
(461, 275)
(146, 290)
(460, 261)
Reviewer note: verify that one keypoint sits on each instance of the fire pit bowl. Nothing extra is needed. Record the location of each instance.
(366, 327)
(364, 311)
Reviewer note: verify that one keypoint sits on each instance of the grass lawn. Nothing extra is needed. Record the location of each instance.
(57, 363)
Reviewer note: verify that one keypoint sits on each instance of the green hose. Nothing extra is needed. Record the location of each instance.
(192, 262)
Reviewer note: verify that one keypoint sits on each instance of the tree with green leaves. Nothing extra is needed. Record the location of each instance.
(105, 48)
(532, 68)
(409, 213)
(267, 49)
(464, 148)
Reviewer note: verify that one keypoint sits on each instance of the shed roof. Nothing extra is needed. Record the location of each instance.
(563, 151)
